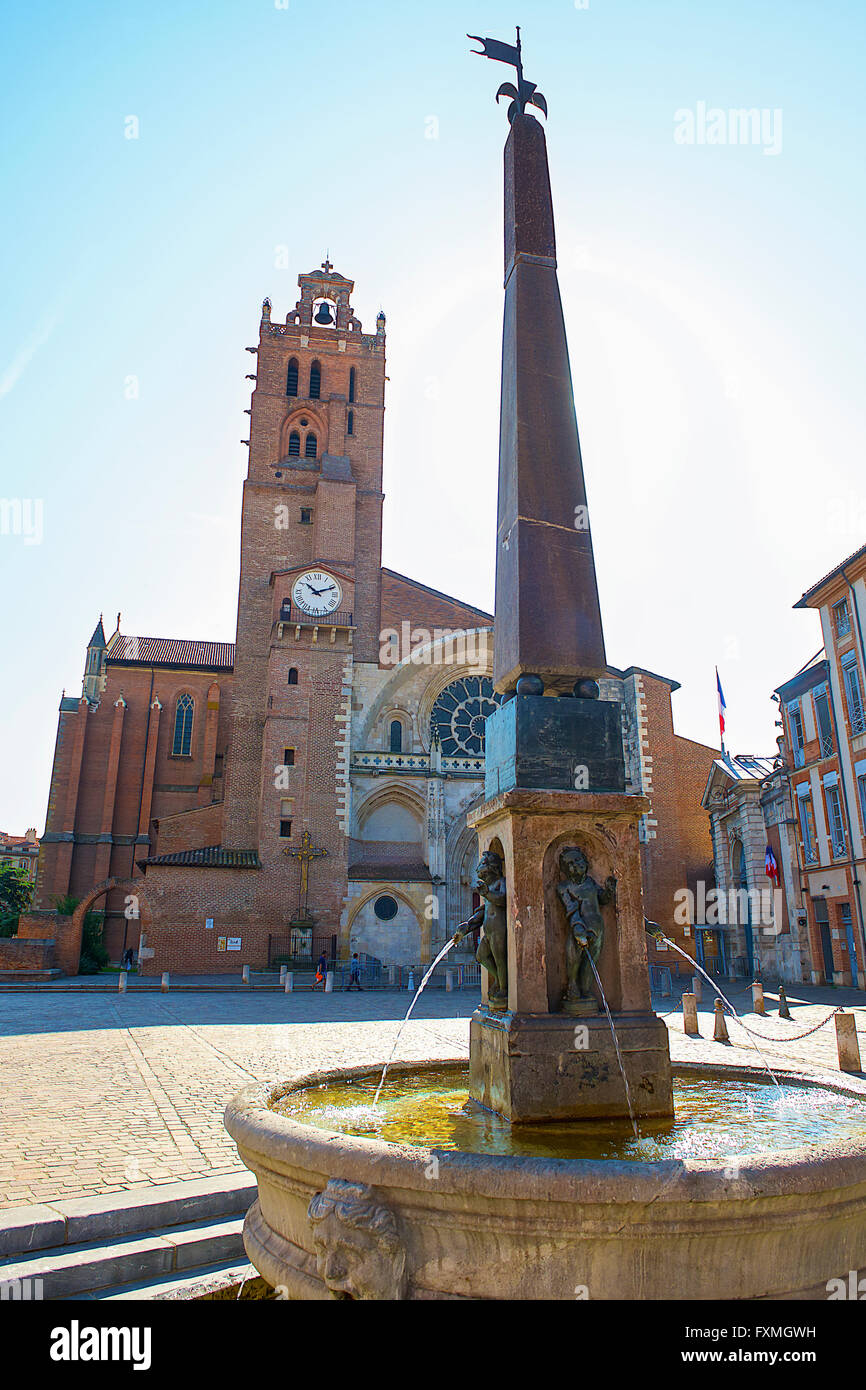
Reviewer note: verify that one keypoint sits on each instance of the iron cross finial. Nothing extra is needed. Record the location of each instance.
(326, 263)
(524, 93)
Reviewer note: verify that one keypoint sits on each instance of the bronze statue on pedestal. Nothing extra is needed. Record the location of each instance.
(583, 900)
(492, 951)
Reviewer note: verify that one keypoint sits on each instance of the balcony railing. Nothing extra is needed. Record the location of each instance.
(858, 722)
(289, 614)
(390, 762)
(840, 849)
(826, 745)
(415, 762)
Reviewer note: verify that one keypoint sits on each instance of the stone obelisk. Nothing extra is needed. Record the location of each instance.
(548, 619)
(556, 811)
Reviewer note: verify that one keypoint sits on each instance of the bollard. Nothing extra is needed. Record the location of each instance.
(121, 982)
(289, 981)
(697, 991)
(784, 1011)
(758, 998)
(245, 975)
(329, 982)
(690, 1016)
(284, 970)
(392, 976)
(449, 980)
(666, 984)
(164, 983)
(847, 1045)
(411, 985)
(720, 1027)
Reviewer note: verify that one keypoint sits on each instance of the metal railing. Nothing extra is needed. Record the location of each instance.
(291, 615)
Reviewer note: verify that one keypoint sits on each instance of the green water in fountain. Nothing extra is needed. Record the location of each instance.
(715, 1118)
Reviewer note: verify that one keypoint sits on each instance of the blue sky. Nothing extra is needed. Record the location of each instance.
(714, 298)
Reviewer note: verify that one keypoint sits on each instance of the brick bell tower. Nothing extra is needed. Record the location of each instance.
(308, 605)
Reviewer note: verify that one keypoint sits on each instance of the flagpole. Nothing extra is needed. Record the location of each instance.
(720, 698)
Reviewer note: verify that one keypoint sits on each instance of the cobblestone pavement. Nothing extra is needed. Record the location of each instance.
(100, 1093)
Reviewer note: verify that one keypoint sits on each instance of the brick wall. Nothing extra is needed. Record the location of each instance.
(681, 850)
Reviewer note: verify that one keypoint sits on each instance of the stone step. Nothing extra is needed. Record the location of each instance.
(78, 1220)
(28, 977)
(82, 1268)
(189, 1285)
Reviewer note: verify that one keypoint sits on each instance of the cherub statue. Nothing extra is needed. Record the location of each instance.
(492, 950)
(583, 900)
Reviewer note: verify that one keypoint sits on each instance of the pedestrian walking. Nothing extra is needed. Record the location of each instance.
(354, 974)
(321, 971)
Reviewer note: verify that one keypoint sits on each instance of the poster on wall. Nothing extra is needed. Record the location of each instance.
(221, 943)
(234, 943)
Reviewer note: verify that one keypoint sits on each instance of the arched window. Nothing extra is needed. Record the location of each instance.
(311, 446)
(293, 675)
(396, 736)
(351, 383)
(315, 381)
(294, 445)
(350, 422)
(292, 378)
(183, 714)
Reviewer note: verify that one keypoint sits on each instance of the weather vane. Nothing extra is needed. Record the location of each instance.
(525, 92)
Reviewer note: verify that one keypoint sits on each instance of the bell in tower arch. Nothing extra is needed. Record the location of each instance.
(324, 314)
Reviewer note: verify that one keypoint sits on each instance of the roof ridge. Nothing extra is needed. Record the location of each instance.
(438, 593)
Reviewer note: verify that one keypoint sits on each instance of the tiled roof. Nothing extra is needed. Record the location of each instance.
(399, 860)
(213, 857)
(804, 601)
(170, 651)
(391, 873)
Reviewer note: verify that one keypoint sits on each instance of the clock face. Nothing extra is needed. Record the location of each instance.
(317, 593)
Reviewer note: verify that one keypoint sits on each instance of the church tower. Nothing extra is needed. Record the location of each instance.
(309, 599)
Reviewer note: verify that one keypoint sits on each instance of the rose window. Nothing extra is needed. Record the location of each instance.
(459, 714)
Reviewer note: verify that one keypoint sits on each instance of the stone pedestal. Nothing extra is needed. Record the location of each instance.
(536, 1061)
(536, 1067)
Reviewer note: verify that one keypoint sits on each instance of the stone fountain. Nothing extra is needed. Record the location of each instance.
(565, 1031)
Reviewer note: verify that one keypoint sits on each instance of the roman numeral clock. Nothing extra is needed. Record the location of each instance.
(317, 593)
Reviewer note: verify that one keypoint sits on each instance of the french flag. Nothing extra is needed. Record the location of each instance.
(722, 705)
(772, 867)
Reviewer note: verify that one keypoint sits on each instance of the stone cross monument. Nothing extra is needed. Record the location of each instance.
(556, 811)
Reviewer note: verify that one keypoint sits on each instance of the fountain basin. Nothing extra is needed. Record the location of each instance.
(340, 1215)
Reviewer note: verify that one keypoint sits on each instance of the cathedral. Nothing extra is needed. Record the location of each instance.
(306, 787)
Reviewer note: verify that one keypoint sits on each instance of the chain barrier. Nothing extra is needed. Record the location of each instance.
(789, 1037)
(766, 1037)
(731, 1011)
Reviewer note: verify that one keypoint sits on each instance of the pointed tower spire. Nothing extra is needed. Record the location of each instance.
(98, 638)
(548, 620)
(94, 663)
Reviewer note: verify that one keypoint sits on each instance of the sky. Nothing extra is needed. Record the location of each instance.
(165, 166)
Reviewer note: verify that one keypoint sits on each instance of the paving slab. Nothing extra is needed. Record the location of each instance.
(106, 1098)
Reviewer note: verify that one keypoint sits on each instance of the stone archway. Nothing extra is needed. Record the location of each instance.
(411, 897)
(137, 909)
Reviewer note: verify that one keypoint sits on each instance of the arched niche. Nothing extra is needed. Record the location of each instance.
(599, 854)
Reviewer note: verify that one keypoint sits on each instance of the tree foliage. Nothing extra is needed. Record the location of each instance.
(16, 890)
